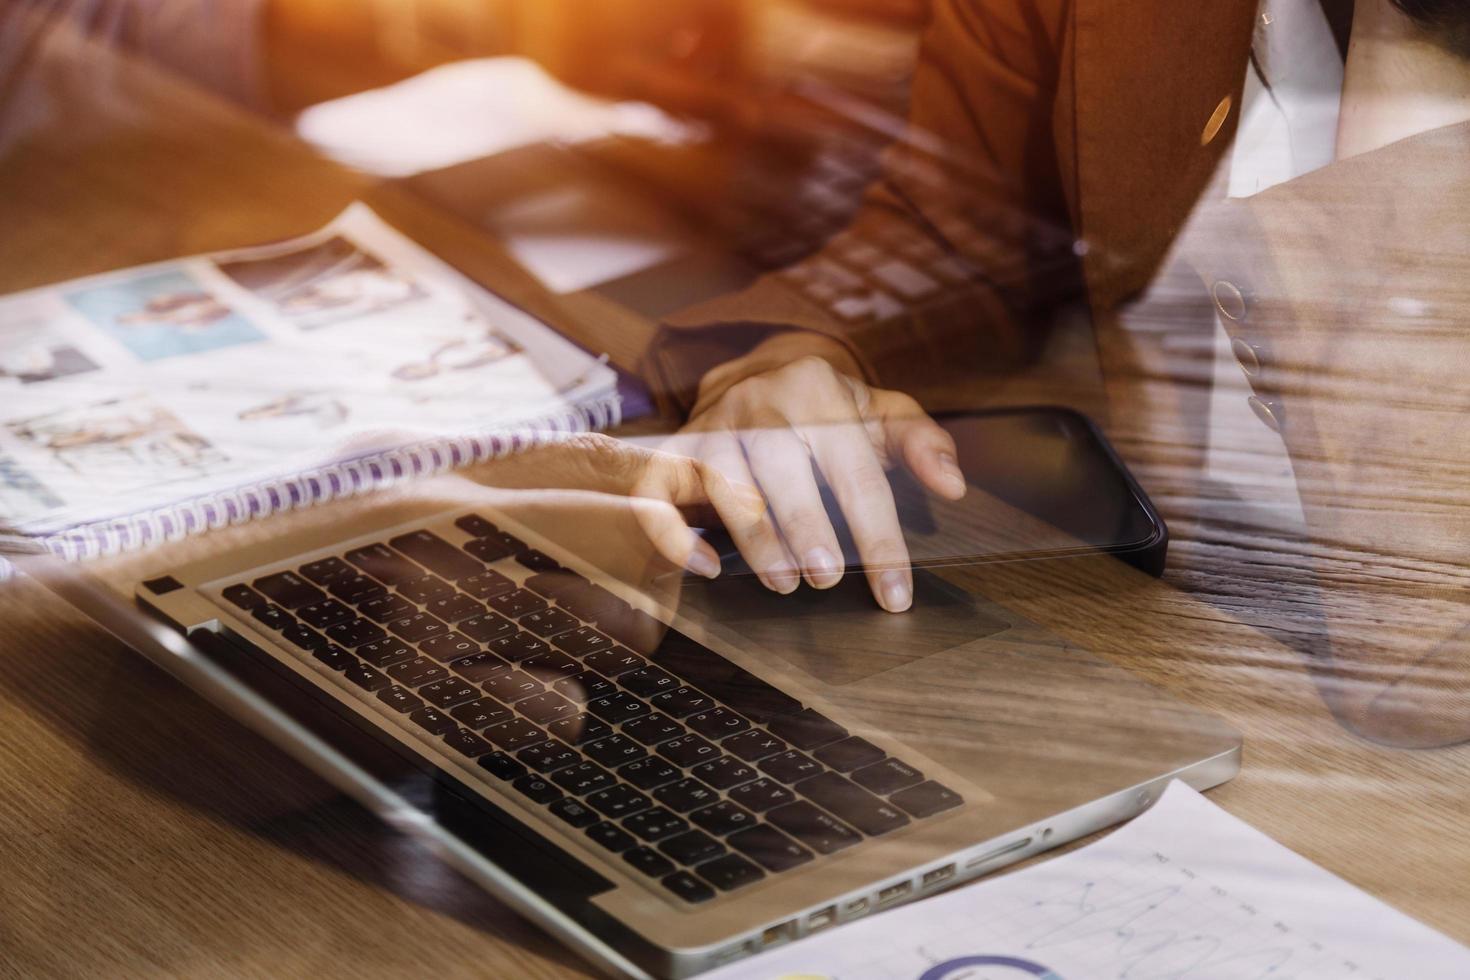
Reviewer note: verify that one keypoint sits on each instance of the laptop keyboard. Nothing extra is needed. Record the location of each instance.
(695, 771)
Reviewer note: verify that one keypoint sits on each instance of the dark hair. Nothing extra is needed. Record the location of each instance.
(1446, 21)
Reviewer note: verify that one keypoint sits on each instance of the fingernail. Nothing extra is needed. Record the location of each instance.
(821, 567)
(783, 579)
(952, 475)
(703, 563)
(896, 593)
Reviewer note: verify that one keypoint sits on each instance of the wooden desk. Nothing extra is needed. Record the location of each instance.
(143, 833)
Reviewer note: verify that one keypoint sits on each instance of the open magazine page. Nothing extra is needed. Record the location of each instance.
(127, 391)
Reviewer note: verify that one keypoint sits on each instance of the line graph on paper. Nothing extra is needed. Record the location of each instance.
(1185, 892)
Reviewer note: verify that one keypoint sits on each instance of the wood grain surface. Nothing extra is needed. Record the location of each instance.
(142, 833)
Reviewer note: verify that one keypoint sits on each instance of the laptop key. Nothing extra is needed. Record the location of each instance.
(614, 661)
(617, 707)
(685, 795)
(649, 861)
(545, 708)
(769, 848)
(552, 665)
(501, 766)
(549, 756)
(487, 627)
(449, 646)
(433, 721)
(538, 561)
(790, 766)
(717, 723)
(761, 795)
(537, 789)
(417, 672)
(754, 745)
(487, 584)
(723, 818)
(517, 603)
(650, 773)
(513, 686)
(514, 734)
(289, 590)
(299, 636)
(849, 754)
(631, 627)
(618, 801)
(466, 742)
(583, 686)
(887, 776)
(682, 701)
(272, 616)
(335, 657)
(807, 730)
(579, 729)
(478, 668)
(583, 640)
(687, 887)
(724, 772)
(355, 632)
(655, 824)
(386, 652)
(548, 622)
(575, 813)
(648, 681)
(365, 677)
(852, 803)
(614, 750)
(688, 750)
(518, 646)
(418, 627)
(385, 607)
(726, 682)
(328, 612)
(324, 570)
(425, 588)
(729, 872)
(927, 799)
(400, 699)
(611, 836)
(583, 778)
(355, 589)
(384, 564)
(820, 831)
(691, 847)
(245, 597)
(654, 728)
(454, 608)
(436, 554)
(555, 584)
(481, 713)
(449, 692)
(475, 526)
(490, 548)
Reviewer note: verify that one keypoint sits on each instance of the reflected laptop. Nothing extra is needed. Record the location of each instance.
(662, 791)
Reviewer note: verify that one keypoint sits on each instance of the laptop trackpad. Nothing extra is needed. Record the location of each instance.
(839, 635)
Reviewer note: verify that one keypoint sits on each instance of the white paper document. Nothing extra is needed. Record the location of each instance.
(1184, 892)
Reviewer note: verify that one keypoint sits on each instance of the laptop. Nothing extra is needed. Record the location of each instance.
(635, 763)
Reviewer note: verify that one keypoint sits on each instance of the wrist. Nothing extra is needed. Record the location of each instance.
(774, 352)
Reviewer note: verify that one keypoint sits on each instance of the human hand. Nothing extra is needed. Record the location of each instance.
(770, 422)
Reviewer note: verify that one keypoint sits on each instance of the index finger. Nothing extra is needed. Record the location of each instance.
(847, 459)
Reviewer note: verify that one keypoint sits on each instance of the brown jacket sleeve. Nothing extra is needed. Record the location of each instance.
(976, 180)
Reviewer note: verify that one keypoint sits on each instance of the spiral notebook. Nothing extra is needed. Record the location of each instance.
(147, 404)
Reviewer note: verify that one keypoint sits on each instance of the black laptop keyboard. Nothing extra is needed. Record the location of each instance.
(695, 771)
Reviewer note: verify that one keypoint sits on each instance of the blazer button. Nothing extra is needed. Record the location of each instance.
(1229, 300)
(1248, 356)
(1267, 411)
(1216, 121)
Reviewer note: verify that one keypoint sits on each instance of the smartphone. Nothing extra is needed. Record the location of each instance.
(1043, 484)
